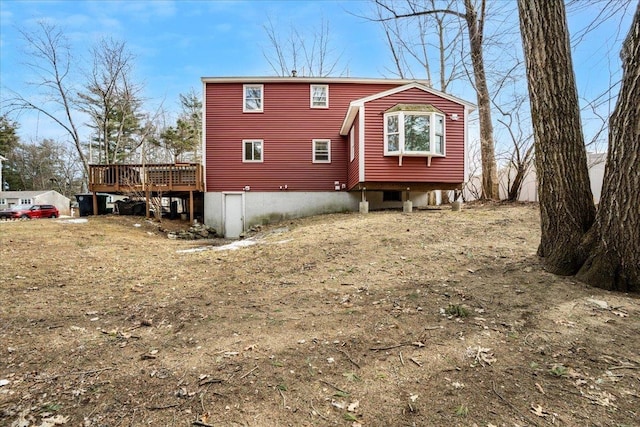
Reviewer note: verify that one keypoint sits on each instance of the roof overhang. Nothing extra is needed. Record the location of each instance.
(320, 80)
(355, 105)
(422, 108)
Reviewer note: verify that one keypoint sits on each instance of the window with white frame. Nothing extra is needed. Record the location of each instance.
(319, 96)
(252, 150)
(321, 151)
(414, 129)
(3, 202)
(352, 145)
(25, 201)
(253, 98)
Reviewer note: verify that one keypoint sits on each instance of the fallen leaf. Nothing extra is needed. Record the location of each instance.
(537, 410)
(601, 304)
(337, 404)
(351, 376)
(540, 389)
(353, 406)
(54, 421)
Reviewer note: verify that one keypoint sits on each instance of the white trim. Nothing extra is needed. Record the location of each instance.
(326, 90)
(244, 97)
(313, 150)
(361, 143)
(318, 80)
(203, 159)
(466, 145)
(351, 111)
(401, 151)
(244, 153)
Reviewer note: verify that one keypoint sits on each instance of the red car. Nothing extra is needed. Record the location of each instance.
(30, 212)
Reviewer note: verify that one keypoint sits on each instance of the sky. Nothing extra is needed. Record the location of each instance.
(177, 42)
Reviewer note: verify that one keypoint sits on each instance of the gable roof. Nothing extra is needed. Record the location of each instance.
(355, 105)
(26, 194)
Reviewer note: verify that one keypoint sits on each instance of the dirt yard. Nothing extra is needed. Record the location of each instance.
(435, 318)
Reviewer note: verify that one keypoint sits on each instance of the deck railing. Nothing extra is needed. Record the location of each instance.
(127, 178)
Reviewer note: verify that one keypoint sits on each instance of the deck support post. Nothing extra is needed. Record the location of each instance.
(95, 203)
(191, 207)
(148, 201)
(407, 205)
(364, 205)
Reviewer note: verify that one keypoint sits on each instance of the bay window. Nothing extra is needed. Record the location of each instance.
(414, 130)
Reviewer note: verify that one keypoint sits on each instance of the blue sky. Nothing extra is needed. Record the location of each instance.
(178, 42)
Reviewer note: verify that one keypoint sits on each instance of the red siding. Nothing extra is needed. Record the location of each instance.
(378, 168)
(287, 127)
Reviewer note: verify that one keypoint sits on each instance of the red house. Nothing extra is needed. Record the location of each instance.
(280, 147)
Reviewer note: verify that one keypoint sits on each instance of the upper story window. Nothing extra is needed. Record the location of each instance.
(414, 130)
(253, 98)
(319, 96)
(252, 150)
(321, 151)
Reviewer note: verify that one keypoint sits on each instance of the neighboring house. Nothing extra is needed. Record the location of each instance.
(282, 147)
(9, 199)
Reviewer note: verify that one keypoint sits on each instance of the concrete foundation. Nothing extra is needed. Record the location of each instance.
(364, 207)
(407, 207)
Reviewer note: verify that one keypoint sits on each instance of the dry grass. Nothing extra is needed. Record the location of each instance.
(333, 320)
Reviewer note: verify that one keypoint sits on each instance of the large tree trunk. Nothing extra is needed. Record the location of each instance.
(614, 243)
(490, 189)
(566, 203)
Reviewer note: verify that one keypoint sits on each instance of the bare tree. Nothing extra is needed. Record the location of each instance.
(49, 55)
(519, 156)
(183, 138)
(601, 248)
(472, 189)
(474, 19)
(112, 102)
(302, 53)
(44, 165)
(409, 41)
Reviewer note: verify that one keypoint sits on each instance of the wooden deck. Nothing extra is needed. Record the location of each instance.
(155, 178)
(179, 180)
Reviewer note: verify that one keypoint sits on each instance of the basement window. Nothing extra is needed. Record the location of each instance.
(391, 196)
